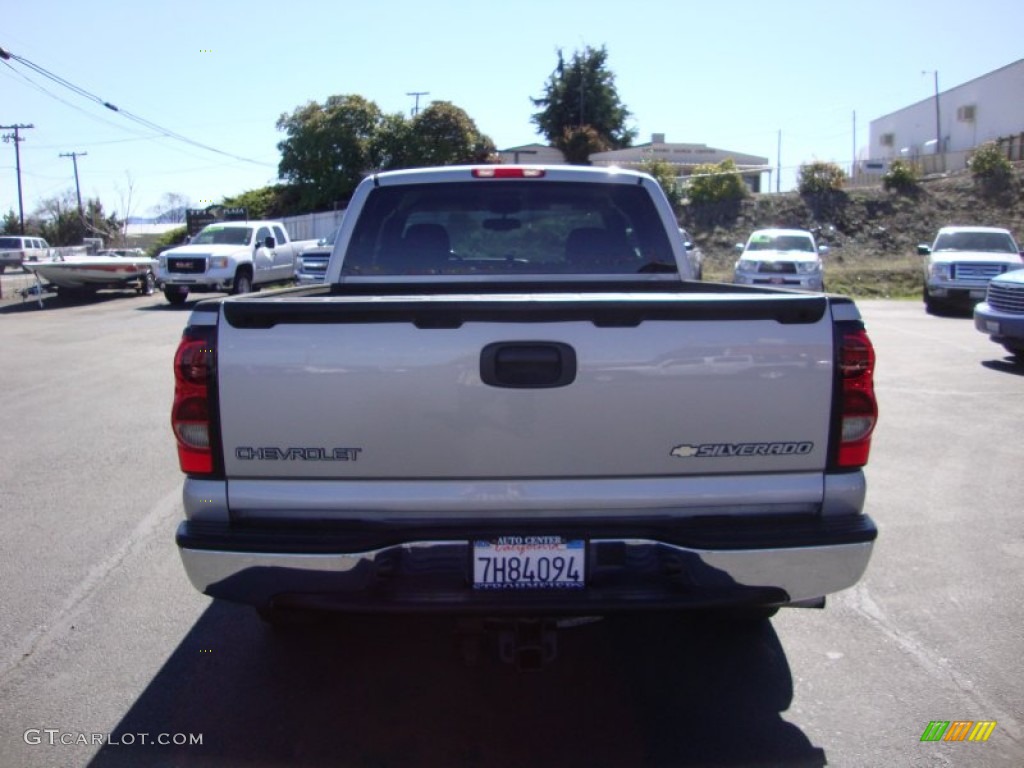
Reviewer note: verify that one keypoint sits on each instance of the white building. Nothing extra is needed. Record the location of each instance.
(940, 132)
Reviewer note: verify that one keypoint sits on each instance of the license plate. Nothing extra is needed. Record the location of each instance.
(529, 562)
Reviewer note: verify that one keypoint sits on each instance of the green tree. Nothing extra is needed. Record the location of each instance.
(990, 169)
(392, 146)
(444, 134)
(61, 224)
(11, 223)
(580, 94)
(665, 174)
(327, 151)
(713, 183)
(820, 178)
(901, 177)
(269, 202)
(579, 142)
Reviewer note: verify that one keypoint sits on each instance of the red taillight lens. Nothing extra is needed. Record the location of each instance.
(190, 415)
(507, 172)
(859, 409)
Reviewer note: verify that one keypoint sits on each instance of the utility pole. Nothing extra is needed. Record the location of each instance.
(938, 122)
(778, 176)
(417, 94)
(853, 157)
(78, 191)
(8, 137)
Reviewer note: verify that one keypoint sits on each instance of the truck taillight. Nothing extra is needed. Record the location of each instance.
(194, 368)
(858, 407)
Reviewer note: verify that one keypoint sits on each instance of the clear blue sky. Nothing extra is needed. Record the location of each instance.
(728, 74)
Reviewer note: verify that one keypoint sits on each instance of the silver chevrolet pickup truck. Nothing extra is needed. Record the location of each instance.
(511, 398)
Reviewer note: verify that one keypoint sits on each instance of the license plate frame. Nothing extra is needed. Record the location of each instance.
(521, 563)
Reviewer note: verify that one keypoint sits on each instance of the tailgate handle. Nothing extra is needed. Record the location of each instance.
(528, 364)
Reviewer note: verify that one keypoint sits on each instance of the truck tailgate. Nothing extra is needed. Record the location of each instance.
(525, 387)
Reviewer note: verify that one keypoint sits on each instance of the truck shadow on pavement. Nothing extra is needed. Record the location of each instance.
(380, 691)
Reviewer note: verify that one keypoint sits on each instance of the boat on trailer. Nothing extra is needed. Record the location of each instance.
(107, 269)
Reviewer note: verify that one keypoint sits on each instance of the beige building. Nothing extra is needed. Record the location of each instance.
(683, 156)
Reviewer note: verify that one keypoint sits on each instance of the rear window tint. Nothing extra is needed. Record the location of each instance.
(497, 227)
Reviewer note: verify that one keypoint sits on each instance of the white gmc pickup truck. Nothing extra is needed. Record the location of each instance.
(510, 398)
(234, 256)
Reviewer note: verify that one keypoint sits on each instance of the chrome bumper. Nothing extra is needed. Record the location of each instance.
(434, 575)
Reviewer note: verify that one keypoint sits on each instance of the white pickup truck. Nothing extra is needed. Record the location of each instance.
(506, 400)
(235, 256)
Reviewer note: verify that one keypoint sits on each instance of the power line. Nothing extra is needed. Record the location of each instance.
(166, 132)
(68, 104)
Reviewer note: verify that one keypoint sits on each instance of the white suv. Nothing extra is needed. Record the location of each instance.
(788, 258)
(16, 249)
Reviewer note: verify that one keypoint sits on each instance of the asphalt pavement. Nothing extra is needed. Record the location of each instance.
(108, 657)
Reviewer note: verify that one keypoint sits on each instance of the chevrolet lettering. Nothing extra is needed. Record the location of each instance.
(246, 453)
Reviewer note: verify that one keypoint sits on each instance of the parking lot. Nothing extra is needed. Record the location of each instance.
(103, 635)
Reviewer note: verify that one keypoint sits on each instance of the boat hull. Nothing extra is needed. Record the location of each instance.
(92, 273)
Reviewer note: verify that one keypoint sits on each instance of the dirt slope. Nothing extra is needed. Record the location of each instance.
(866, 228)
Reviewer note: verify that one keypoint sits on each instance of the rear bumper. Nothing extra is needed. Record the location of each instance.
(643, 565)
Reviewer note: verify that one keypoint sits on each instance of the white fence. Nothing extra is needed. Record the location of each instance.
(312, 226)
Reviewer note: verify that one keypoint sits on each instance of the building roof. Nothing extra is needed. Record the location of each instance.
(681, 154)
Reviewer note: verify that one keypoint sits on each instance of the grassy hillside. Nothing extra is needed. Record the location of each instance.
(872, 233)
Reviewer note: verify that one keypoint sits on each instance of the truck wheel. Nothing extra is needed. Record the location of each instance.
(147, 284)
(175, 296)
(243, 283)
(931, 306)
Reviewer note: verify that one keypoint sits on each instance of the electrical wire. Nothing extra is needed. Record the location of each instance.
(6, 56)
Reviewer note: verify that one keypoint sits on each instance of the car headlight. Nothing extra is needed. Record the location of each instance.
(747, 265)
(808, 267)
(940, 271)
(219, 262)
(162, 262)
(298, 264)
